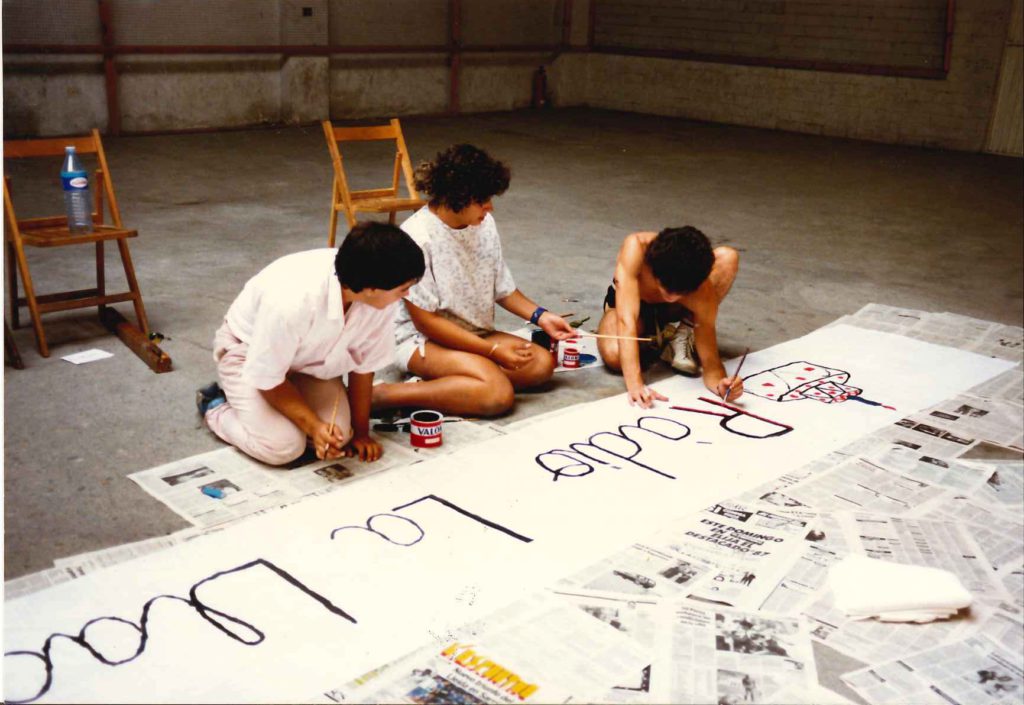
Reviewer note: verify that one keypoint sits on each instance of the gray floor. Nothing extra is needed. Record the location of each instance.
(824, 226)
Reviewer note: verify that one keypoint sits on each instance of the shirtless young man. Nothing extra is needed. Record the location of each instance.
(673, 275)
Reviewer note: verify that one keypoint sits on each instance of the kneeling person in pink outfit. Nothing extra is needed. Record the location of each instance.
(297, 328)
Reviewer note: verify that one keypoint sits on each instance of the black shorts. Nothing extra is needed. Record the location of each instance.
(653, 316)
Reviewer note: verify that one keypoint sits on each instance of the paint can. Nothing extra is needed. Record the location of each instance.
(571, 357)
(425, 428)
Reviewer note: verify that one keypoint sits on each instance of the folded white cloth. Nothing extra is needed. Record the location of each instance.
(892, 592)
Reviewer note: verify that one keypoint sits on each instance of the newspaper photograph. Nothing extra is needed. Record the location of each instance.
(752, 548)
(917, 434)
(1005, 486)
(643, 570)
(541, 649)
(996, 421)
(975, 671)
(731, 657)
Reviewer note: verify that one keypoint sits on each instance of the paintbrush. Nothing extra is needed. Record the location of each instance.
(334, 413)
(736, 374)
(612, 337)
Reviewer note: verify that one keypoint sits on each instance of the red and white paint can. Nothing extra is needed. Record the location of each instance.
(570, 357)
(425, 428)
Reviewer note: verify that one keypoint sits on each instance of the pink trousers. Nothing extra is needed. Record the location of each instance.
(252, 425)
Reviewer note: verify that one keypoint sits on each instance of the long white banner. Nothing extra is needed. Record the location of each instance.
(307, 597)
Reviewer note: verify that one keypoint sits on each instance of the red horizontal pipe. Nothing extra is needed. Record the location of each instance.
(810, 65)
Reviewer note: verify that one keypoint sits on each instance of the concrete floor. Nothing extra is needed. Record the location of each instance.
(824, 226)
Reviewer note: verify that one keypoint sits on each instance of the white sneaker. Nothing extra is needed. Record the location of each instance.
(681, 353)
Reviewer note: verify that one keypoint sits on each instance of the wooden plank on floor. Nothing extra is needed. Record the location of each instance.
(137, 341)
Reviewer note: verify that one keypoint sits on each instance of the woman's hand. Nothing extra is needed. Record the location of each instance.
(556, 326)
(512, 356)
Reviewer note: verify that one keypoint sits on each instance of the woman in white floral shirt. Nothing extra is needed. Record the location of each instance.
(445, 333)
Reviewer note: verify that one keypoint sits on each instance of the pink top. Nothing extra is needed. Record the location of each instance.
(291, 316)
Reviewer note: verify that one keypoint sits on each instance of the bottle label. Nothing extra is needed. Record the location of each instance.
(75, 182)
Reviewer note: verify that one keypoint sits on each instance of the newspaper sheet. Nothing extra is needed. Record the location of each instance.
(1012, 579)
(939, 544)
(916, 433)
(871, 641)
(1005, 342)
(975, 671)
(999, 533)
(992, 420)
(1007, 386)
(731, 657)
(540, 649)
(773, 491)
(1005, 486)
(798, 587)
(84, 563)
(858, 484)
(1004, 625)
(644, 570)
(889, 319)
(952, 330)
(949, 473)
(752, 547)
(215, 487)
(34, 582)
(638, 619)
(225, 485)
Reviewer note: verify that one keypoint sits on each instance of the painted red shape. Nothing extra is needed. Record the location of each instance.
(767, 384)
(809, 369)
(802, 379)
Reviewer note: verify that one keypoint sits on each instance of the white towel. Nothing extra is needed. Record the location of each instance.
(893, 592)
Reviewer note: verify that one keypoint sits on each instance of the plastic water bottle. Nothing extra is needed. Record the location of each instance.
(77, 199)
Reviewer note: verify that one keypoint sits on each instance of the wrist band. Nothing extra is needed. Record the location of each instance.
(493, 348)
(537, 314)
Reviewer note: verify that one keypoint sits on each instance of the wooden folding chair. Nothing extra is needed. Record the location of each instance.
(379, 200)
(53, 232)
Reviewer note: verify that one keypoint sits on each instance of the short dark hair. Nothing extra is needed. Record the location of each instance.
(461, 175)
(377, 256)
(680, 258)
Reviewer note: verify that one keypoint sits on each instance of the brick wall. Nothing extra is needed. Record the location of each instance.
(952, 112)
(893, 33)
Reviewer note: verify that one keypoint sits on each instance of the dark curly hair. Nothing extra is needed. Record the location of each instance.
(461, 175)
(680, 258)
(377, 256)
